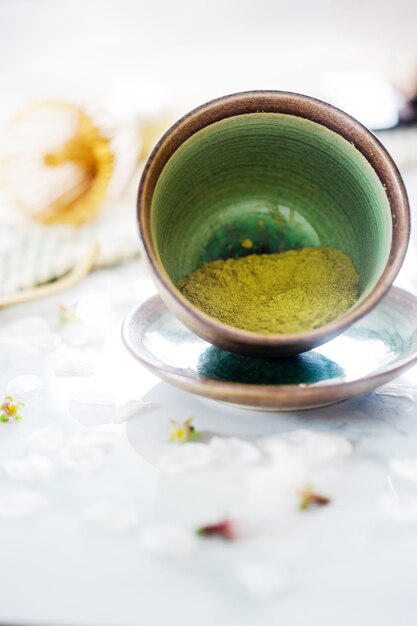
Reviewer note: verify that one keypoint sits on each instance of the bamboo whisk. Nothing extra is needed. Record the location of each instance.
(57, 163)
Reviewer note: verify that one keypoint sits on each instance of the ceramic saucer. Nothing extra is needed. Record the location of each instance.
(376, 349)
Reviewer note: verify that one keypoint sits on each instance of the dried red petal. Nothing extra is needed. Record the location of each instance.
(223, 529)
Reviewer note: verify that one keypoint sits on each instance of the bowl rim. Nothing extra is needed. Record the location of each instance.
(290, 103)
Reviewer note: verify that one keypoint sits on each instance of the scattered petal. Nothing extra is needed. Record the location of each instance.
(287, 471)
(194, 456)
(113, 517)
(47, 439)
(87, 452)
(29, 326)
(403, 509)
(93, 437)
(79, 336)
(310, 499)
(224, 529)
(24, 387)
(68, 362)
(165, 539)
(10, 410)
(405, 468)
(183, 432)
(29, 332)
(18, 355)
(32, 468)
(262, 580)
(234, 451)
(20, 504)
(313, 448)
(92, 408)
(46, 343)
(73, 367)
(271, 490)
(132, 408)
(398, 390)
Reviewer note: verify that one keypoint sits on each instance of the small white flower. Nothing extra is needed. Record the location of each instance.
(32, 468)
(165, 539)
(262, 580)
(311, 447)
(23, 388)
(131, 408)
(405, 468)
(87, 452)
(47, 439)
(92, 408)
(234, 451)
(186, 458)
(113, 517)
(20, 504)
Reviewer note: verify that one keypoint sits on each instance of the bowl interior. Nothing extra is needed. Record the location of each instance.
(267, 182)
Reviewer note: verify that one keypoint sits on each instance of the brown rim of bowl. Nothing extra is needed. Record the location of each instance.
(291, 104)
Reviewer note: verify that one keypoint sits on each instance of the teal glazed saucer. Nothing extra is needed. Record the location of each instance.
(376, 349)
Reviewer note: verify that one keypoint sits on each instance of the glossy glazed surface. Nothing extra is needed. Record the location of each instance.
(370, 353)
(277, 181)
(281, 170)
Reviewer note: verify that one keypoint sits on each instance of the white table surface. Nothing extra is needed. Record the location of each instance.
(348, 563)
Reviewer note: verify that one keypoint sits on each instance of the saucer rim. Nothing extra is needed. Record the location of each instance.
(302, 395)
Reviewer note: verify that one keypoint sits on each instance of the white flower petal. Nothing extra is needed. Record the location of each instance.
(29, 332)
(234, 451)
(73, 367)
(92, 408)
(262, 580)
(26, 326)
(23, 388)
(186, 457)
(87, 452)
(19, 355)
(68, 362)
(402, 508)
(132, 408)
(113, 517)
(166, 539)
(20, 504)
(272, 490)
(32, 468)
(47, 439)
(46, 343)
(398, 390)
(313, 448)
(405, 468)
(77, 335)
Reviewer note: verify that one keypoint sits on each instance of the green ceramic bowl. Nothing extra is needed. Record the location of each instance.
(285, 171)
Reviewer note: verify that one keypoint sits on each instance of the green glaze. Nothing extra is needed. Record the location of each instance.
(278, 180)
(307, 368)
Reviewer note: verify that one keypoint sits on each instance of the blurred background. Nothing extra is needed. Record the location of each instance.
(109, 77)
(178, 54)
